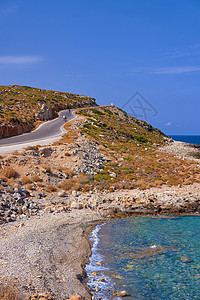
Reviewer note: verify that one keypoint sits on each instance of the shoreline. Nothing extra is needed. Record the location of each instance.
(29, 243)
(165, 200)
(97, 275)
(35, 266)
(111, 268)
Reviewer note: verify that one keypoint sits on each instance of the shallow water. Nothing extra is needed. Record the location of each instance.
(144, 256)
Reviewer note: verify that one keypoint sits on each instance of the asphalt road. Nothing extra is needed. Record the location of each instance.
(47, 130)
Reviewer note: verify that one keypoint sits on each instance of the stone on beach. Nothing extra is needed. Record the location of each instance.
(120, 293)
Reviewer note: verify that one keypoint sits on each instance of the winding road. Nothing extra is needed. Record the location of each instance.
(46, 133)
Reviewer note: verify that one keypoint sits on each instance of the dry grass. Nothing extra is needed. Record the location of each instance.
(15, 153)
(79, 183)
(86, 187)
(84, 179)
(65, 170)
(47, 168)
(25, 179)
(37, 146)
(30, 187)
(5, 179)
(40, 184)
(29, 179)
(9, 172)
(29, 148)
(67, 184)
(71, 184)
(51, 188)
(35, 178)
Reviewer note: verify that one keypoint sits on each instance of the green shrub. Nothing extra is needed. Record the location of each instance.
(97, 112)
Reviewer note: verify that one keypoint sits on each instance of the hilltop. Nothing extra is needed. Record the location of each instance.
(23, 107)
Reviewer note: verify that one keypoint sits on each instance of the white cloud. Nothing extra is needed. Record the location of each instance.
(19, 60)
(183, 54)
(176, 70)
(189, 51)
(168, 124)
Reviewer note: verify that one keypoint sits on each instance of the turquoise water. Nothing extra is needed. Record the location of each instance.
(145, 257)
(192, 139)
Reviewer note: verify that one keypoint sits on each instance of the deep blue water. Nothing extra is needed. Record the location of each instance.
(144, 256)
(192, 139)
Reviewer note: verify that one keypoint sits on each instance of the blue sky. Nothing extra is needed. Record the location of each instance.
(109, 49)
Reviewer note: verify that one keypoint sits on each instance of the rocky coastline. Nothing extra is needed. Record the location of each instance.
(28, 251)
(34, 220)
(18, 203)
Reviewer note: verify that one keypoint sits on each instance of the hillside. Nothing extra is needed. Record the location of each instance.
(104, 148)
(133, 146)
(22, 107)
(108, 164)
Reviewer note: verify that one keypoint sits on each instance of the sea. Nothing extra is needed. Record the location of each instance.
(154, 258)
(192, 139)
(148, 258)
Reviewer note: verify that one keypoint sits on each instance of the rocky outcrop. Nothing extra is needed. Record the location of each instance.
(45, 112)
(11, 129)
(8, 130)
(155, 201)
(15, 202)
(89, 158)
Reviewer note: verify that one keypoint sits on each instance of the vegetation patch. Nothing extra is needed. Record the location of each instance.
(132, 146)
(29, 106)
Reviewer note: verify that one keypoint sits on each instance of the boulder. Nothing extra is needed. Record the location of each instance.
(62, 193)
(75, 205)
(46, 152)
(112, 174)
(74, 193)
(120, 293)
